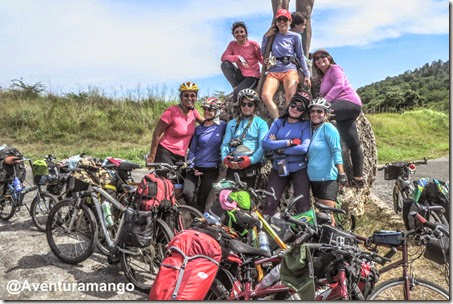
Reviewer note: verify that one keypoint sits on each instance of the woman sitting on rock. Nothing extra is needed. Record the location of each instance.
(240, 61)
(287, 50)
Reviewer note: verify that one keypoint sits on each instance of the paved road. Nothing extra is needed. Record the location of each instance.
(25, 255)
(437, 168)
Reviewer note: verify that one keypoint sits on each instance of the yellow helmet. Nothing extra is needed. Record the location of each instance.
(188, 86)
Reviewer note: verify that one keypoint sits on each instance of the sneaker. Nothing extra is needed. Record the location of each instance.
(358, 183)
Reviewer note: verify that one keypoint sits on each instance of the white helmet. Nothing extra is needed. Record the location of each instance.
(320, 102)
(249, 93)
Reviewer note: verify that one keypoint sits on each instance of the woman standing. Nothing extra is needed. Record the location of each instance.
(287, 50)
(325, 163)
(346, 106)
(289, 139)
(204, 153)
(175, 128)
(242, 151)
(240, 60)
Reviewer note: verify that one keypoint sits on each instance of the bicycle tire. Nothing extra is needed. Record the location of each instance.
(85, 228)
(40, 209)
(142, 269)
(217, 292)
(186, 215)
(397, 200)
(7, 208)
(422, 290)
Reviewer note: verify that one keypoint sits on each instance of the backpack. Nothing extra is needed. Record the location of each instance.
(154, 191)
(190, 267)
(7, 171)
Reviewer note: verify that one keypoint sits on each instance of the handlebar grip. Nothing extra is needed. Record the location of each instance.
(314, 246)
(421, 162)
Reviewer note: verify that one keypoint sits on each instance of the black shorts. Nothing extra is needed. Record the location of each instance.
(325, 190)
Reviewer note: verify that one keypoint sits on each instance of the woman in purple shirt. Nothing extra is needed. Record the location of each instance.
(204, 153)
(346, 106)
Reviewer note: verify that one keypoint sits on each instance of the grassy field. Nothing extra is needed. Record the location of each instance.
(101, 126)
(411, 135)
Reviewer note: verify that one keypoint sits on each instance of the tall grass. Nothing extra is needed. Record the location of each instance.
(411, 135)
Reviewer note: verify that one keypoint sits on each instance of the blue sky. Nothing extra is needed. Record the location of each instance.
(133, 47)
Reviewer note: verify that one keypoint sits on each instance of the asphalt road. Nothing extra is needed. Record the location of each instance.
(25, 257)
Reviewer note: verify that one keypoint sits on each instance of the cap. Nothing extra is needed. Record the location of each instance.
(283, 13)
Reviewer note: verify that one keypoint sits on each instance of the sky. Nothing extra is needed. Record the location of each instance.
(137, 47)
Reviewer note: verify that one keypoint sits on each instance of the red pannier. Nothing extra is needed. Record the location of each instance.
(189, 268)
(154, 191)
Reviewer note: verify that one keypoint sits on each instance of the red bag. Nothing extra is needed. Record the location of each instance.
(189, 269)
(153, 191)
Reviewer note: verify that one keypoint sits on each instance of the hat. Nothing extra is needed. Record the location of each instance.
(283, 13)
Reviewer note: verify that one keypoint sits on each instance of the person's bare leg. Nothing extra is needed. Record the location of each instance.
(331, 204)
(290, 86)
(270, 87)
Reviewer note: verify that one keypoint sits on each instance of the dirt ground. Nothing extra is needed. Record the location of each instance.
(26, 259)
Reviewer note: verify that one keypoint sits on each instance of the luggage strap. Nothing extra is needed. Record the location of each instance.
(183, 266)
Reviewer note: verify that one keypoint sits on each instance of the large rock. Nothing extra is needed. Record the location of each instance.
(353, 199)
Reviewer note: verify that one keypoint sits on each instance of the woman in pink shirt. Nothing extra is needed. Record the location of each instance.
(175, 128)
(240, 60)
(346, 106)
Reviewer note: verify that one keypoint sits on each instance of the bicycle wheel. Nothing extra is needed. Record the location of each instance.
(397, 200)
(186, 215)
(141, 269)
(7, 208)
(75, 245)
(420, 290)
(40, 209)
(217, 291)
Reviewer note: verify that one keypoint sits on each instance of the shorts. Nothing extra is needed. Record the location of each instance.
(282, 76)
(325, 190)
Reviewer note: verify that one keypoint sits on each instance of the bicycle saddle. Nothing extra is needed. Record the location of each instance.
(240, 247)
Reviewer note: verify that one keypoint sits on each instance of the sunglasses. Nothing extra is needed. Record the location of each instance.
(316, 58)
(317, 111)
(189, 95)
(282, 19)
(247, 104)
(295, 106)
(209, 109)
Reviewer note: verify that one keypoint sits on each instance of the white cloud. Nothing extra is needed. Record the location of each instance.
(112, 43)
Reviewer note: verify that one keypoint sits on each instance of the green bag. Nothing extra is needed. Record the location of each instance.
(297, 272)
(39, 167)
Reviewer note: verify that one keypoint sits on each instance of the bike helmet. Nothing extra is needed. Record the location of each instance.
(188, 86)
(225, 202)
(320, 102)
(249, 94)
(213, 103)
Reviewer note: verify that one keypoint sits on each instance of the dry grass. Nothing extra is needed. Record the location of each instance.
(380, 219)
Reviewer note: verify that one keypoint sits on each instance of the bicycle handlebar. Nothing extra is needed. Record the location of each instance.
(416, 162)
(426, 223)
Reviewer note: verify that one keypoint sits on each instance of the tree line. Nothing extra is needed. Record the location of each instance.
(427, 87)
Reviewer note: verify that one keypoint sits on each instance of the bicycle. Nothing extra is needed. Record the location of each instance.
(13, 198)
(72, 231)
(408, 287)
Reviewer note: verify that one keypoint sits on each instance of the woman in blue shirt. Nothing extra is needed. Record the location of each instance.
(289, 138)
(204, 153)
(241, 148)
(325, 162)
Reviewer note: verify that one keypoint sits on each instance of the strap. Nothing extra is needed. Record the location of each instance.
(246, 127)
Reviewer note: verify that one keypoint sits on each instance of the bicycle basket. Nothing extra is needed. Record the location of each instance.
(81, 179)
(383, 237)
(436, 248)
(393, 170)
(334, 236)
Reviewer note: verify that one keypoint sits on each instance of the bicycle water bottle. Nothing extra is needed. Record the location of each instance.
(212, 219)
(17, 184)
(263, 240)
(107, 214)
